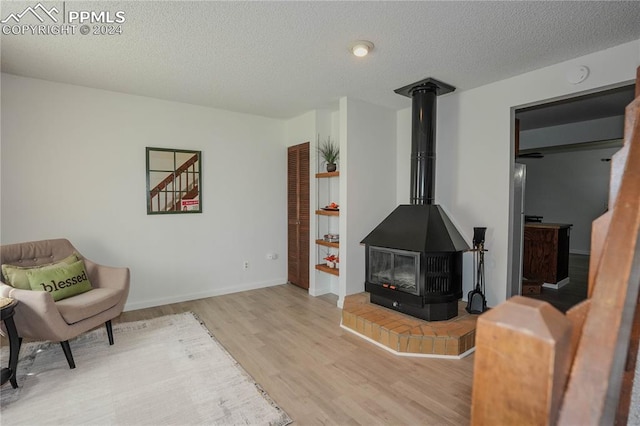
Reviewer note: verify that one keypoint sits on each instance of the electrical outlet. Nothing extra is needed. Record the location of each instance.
(272, 256)
(245, 265)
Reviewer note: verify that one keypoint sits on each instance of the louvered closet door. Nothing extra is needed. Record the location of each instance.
(298, 214)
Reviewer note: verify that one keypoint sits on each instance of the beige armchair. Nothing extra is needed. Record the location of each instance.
(39, 317)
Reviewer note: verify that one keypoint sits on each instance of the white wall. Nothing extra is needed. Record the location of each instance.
(569, 187)
(367, 183)
(301, 129)
(403, 155)
(475, 147)
(73, 166)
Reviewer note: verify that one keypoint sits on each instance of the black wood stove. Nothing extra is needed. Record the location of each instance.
(414, 257)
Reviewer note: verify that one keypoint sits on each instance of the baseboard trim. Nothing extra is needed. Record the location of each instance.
(202, 295)
(319, 290)
(557, 285)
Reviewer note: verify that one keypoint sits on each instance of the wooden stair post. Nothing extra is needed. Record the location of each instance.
(522, 354)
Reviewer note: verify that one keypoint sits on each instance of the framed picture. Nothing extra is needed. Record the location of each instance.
(174, 181)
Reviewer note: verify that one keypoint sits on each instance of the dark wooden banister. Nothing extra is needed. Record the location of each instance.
(180, 170)
(534, 365)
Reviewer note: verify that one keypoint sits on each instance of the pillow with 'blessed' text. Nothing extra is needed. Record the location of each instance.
(16, 276)
(61, 282)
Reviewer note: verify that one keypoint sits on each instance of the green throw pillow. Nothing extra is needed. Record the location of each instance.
(16, 276)
(62, 282)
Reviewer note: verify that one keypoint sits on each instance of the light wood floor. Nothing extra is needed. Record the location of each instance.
(320, 374)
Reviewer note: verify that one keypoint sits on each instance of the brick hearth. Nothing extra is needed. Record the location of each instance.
(407, 335)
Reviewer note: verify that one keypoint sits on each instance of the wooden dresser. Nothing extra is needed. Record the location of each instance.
(546, 253)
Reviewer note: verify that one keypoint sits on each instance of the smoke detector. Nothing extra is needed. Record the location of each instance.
(578, 74)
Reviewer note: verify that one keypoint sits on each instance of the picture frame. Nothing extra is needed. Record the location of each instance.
(174, 181)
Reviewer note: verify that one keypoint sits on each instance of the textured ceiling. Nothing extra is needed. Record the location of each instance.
(280, 59)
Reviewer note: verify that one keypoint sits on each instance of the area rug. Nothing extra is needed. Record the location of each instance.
(164, 371)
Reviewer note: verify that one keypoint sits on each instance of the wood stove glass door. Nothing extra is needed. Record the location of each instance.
(394, 269)
(406, 273)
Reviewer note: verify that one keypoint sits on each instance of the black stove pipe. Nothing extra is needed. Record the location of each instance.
(423, 96)
(423, 137)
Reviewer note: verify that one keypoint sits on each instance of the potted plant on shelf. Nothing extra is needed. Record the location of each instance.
(330, 152)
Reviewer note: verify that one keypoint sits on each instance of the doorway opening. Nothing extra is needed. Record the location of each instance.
(562, 153)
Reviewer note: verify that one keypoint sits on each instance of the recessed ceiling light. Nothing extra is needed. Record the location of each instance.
(361, 48)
